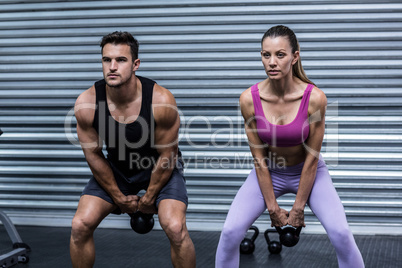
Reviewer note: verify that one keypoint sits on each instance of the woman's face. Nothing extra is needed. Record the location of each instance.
(277, 57)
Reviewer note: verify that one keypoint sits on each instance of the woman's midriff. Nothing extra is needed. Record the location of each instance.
(287, 156)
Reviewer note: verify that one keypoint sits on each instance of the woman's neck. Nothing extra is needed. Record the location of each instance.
(281, 87)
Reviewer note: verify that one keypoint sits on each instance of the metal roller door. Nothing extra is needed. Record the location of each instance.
(206, 53)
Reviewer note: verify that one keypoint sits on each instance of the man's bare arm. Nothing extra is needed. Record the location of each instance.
(92, 147)
(166, 140)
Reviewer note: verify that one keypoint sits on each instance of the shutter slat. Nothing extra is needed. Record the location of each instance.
(206, 53)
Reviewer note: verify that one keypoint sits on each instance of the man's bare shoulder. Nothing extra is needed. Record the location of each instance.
(162, 96)
(85, 105)
(88, 96)
(164, 106)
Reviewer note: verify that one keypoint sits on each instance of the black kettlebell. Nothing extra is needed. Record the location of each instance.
(289, 236)
(247, 246)
(274, 247)
(142, 223)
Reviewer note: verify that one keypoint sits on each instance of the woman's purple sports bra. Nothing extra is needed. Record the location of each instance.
(292, 134)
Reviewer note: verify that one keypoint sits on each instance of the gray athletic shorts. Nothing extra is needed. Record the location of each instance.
(175, 188)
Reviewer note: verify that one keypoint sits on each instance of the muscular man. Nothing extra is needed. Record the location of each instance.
(138, 121)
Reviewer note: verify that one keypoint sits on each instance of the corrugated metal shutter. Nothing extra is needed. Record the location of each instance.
(206, 53)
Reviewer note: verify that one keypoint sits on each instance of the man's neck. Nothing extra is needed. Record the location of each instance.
(125, 93)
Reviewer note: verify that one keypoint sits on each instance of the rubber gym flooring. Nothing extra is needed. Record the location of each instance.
(117, 248)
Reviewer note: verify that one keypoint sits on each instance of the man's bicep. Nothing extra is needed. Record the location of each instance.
(87, 135)
(167, 136)
(89, 139)
(167, 121)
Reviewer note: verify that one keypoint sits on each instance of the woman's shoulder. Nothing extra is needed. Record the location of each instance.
(246, 103)
(318, 99)
(246, 97)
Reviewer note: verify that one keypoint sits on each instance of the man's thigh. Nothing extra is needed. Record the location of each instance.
(175, 188)
(92, 210)
(171, 210)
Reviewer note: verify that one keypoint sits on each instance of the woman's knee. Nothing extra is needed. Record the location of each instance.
(341, 236)
(232, 234)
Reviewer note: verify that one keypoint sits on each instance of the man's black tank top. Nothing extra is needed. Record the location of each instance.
(129, 146)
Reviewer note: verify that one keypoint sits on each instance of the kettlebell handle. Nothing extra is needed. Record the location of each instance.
(267, 236)
(256, 232)
(280, 230)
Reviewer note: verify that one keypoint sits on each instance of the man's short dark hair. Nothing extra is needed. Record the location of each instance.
(118, 38)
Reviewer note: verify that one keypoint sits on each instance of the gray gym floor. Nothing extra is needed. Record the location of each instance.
(124, 248)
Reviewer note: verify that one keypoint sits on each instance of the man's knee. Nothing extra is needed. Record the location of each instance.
(175, 229)
(81, 229)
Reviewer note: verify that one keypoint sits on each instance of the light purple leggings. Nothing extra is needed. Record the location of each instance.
(324, 201)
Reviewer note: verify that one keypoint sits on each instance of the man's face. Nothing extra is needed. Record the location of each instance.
(117, 64)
